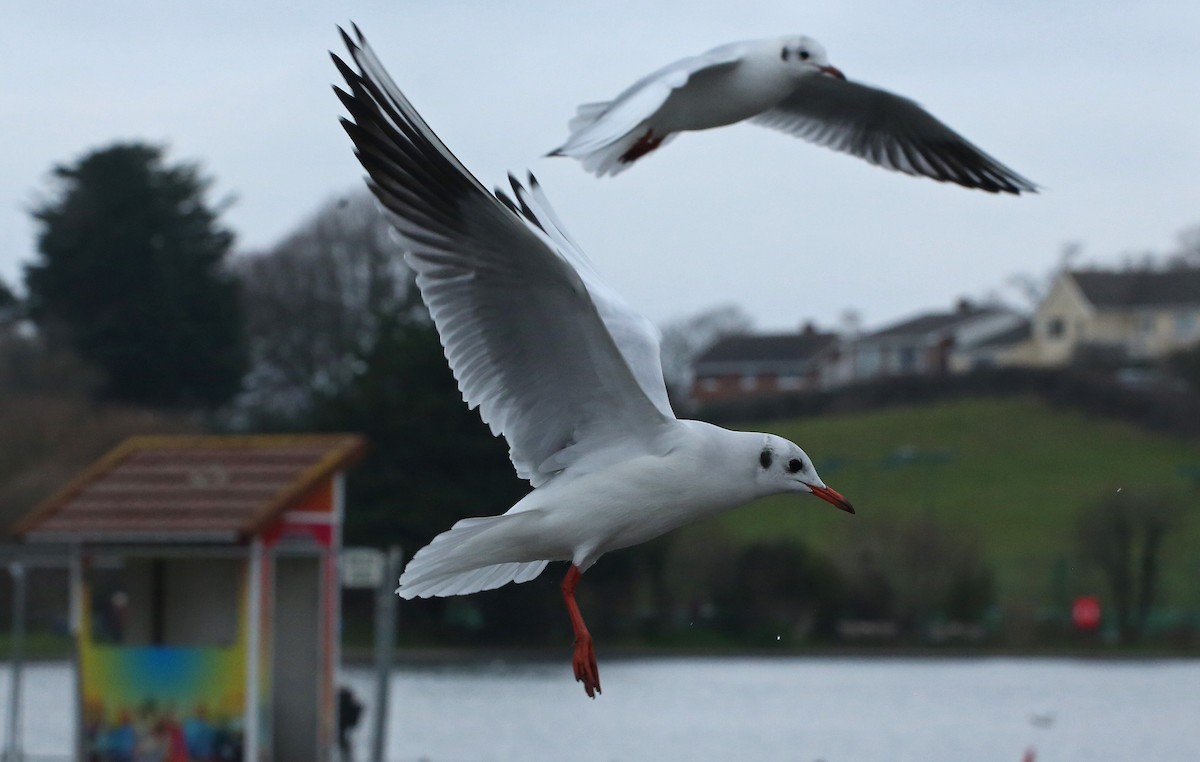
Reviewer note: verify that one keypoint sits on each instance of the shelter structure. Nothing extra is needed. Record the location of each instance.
(204, 594)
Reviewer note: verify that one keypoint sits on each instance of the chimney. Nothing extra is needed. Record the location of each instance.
(964, 306)
(808, 328)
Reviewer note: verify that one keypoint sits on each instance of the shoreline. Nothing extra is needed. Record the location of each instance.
(433, 655)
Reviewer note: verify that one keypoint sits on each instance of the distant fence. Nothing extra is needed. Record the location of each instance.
(1165, 410)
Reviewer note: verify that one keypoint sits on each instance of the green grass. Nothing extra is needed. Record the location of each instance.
(39, 645)
(1015, 470)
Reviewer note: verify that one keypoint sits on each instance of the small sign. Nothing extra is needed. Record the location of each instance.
(1086, 612)
(362, 567)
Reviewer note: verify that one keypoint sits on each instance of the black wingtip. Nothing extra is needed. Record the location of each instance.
(349, 43)
(506, 200)
(348, 74)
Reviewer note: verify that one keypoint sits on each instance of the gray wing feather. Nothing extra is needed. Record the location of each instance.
(890, 131)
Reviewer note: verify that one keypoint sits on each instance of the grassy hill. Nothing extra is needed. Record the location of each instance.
(1015, 470)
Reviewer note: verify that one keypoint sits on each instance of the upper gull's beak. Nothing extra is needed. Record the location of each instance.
(833, 71)
(831, 496)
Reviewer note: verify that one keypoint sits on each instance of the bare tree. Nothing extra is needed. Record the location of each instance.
(916, 568)
(50, 425)
(315, 300)
(1123, 536)
(686, 339)
(1032, 288)
(1187, 249)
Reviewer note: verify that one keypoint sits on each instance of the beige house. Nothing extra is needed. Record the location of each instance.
(1122, 316)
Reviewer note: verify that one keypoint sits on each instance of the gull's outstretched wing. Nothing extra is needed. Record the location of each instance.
(530, 333)
(890, 131)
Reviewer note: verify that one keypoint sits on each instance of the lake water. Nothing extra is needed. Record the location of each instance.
(804, 709)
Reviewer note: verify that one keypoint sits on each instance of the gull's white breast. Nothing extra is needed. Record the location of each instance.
(700, 471)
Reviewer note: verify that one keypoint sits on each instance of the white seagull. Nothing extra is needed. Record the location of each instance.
(556, 362)
(786, 83)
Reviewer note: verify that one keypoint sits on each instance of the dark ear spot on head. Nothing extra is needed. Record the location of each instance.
(783, 54)
(765, 458)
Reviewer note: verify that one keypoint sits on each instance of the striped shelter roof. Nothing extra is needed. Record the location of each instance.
(189, 488)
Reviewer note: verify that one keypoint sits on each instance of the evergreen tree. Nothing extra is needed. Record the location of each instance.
(430, 459)
(130, 275)
(8, 304)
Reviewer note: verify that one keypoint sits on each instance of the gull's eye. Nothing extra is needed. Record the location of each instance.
(803, 55)
(794, 465)
(765, 459)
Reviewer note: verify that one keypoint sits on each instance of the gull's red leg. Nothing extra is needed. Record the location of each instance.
(584, 661)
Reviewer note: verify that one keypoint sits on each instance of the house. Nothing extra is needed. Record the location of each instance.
(932, 343)
(750, 366)
(998, 350)
(1126, 316)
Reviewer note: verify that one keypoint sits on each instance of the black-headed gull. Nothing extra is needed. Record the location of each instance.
(556, 362)
(786, 83)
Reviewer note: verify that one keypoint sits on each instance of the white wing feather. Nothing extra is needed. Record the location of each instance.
(526, 339)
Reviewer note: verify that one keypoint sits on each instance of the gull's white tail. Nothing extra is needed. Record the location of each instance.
(456, 562)
(601, 148)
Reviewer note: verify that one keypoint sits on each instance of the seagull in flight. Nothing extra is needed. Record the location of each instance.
(556, 362)
(788, 84)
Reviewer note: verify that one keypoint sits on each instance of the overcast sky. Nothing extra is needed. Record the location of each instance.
(1096, 101)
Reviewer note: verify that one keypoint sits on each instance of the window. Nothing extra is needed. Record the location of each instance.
(790, 383)
(1055, 328)
(868, 363)
(710, 384)
(908, 359)
(143, 601)
(1185, 325)
(748, 383)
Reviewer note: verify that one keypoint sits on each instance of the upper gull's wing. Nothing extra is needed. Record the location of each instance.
(520, 326)
(890, 131)
(598, 124)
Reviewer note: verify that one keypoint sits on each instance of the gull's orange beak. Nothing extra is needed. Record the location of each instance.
(833, 71)
(833, 497)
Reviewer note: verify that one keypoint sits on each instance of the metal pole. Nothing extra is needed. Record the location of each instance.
(13, 751)
(254, 602)
(332, 554)
(385, 641)
(76, 604)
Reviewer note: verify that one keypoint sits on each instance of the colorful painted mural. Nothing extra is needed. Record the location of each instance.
(161, 703)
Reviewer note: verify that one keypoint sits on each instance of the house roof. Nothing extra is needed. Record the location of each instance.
(762, 352)
(1139, 288)
(932, 322)
(1019, 332)
(190, 488)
